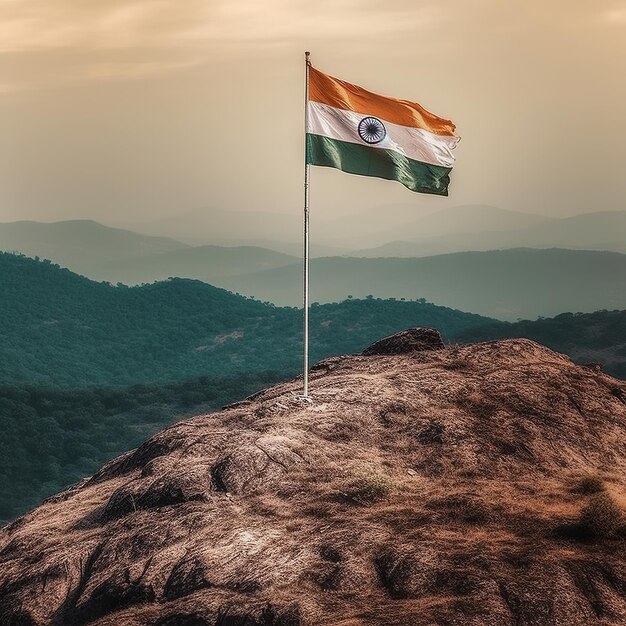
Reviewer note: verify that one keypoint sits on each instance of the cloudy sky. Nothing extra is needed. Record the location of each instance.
(128, 111)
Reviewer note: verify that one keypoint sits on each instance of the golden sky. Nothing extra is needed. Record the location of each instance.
(125, 111)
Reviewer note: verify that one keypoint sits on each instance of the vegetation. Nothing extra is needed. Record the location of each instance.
(52, 438)
(58, 328)
(601, 517)
(367, 487)
(590, 484)
(586, 337)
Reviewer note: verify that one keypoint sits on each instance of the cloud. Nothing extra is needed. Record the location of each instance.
(250, 20)
(27, 25)
(31, 25)
(175, 35)
(102, 38)
(616, 15)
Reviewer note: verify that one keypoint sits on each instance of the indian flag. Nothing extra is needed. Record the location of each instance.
(361, 132)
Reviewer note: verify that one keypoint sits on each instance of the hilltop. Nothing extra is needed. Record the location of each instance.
(471, 485)
(81, 244)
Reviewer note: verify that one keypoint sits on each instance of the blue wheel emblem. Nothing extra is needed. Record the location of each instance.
(371, 130)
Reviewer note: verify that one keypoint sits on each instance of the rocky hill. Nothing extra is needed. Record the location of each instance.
(468, 485)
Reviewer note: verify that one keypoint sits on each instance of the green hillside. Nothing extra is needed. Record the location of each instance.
(51, 437)
(598, 337)
(59, 328)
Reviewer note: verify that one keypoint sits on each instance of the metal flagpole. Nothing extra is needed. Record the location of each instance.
(307, 167)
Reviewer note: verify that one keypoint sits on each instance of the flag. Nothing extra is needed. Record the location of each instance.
(361, 132)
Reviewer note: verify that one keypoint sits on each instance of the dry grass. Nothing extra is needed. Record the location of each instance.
(410, 491)
(368, 487)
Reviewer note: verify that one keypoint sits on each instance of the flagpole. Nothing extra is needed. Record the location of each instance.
(307, 167)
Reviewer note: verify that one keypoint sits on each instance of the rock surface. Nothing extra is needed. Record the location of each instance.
(410, 340)
(479, 485)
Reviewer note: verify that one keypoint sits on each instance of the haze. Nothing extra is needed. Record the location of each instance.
(135, 113)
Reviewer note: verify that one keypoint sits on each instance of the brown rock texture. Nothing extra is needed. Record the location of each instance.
(409, 340)
(479, 485)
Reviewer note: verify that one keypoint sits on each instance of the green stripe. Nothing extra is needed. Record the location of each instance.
(368, 161)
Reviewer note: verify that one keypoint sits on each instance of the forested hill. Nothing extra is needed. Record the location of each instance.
(59, 328)
(586, 337)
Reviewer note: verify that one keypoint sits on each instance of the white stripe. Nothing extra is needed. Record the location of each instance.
(414, 143)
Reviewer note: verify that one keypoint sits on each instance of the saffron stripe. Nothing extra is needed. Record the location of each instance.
(340, 94)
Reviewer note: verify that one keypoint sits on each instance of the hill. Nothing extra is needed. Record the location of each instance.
(58, 328)
(598, 337)
(601, 230)
(473, 218)
(86, 427)
(116, 255)
(335, 227)
(206, 263)
(505, 284)
(80, 244)
(472, 485)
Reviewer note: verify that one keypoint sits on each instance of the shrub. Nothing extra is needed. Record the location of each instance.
(590, 484)
(367, 488)
(601, 517)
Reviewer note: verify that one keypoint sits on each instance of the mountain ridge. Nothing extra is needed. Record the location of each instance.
(602, 230)
(505, 284)
(66, 239)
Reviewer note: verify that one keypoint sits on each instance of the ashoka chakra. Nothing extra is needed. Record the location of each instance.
(371, 130)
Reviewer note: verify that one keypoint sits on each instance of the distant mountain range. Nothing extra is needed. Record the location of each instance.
(81, 244)
(384, 231)
(398, 230)
(590, 231)
(506, 284)
(499, 280)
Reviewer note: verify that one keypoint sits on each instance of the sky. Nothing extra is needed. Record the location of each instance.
(139, 112)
